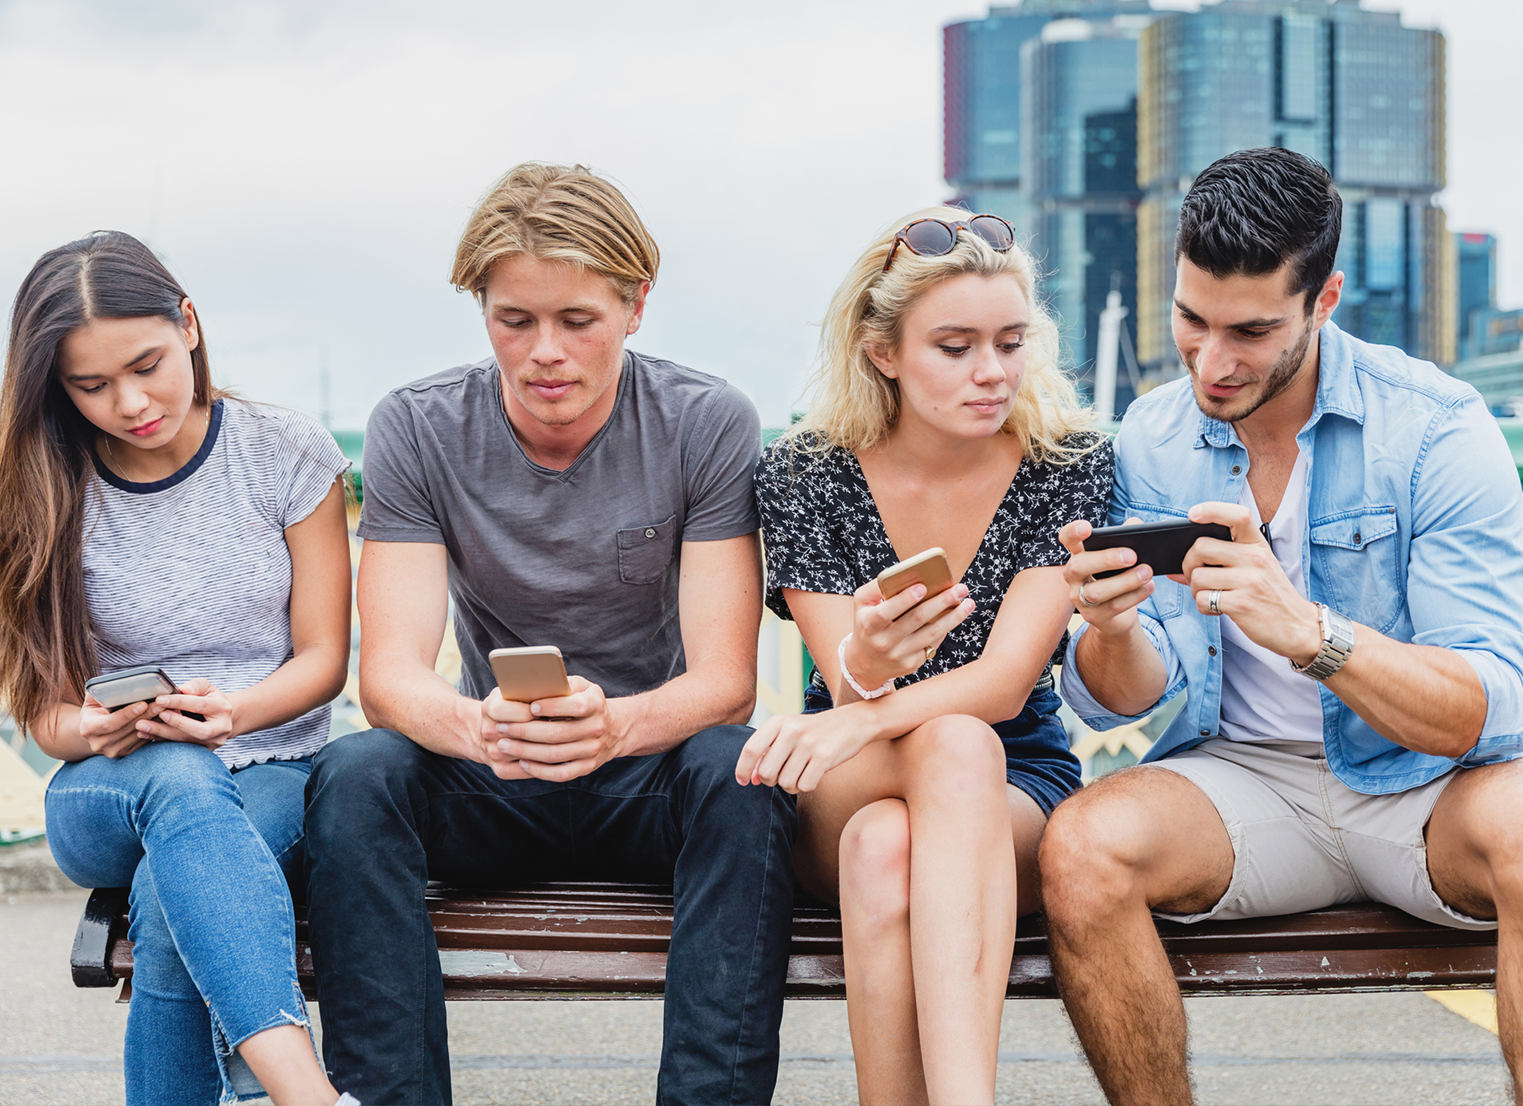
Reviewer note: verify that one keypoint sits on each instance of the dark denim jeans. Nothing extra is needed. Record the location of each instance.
(384, 816)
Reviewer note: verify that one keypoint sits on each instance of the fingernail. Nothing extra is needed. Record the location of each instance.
(502, 727)
(919, 591)
(502, 747)
(967, 606)
(1145, 573)
(534, 708)
(1128, 556)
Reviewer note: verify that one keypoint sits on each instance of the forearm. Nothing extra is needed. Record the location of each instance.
(400, 694)
(1122, 671)
(714, 694)
(311, 678)
(1422, 697)
(58, 734)
(991, 689)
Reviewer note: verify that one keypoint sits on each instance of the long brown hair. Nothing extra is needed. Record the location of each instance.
(47, 650)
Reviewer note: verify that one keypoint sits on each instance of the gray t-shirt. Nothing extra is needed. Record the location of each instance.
(585, 559)
(192, 572)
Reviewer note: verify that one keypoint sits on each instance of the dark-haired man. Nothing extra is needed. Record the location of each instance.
(1353, 658)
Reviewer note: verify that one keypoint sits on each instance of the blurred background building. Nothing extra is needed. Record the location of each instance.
(1084, 122)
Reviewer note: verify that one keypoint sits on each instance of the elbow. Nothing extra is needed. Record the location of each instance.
(744, 705)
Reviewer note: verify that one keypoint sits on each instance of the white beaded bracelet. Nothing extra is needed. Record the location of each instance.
(876, 693)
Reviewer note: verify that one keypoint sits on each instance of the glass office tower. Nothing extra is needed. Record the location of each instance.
(1477, 268)
(1040, 127)
(1352, 88)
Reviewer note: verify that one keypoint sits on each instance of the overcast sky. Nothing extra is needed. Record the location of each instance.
(305, 166)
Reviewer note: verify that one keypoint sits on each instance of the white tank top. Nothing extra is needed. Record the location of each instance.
(1262, 698)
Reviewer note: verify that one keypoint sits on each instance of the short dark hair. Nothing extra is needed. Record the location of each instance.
(1251, 212)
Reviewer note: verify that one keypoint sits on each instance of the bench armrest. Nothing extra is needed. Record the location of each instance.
(90, 958)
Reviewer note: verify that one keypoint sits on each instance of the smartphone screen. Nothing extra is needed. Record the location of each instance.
(1159, 545)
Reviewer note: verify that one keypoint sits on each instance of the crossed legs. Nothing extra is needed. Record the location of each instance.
(915, 836)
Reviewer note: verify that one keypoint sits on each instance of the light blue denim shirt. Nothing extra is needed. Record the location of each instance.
(1414, 528)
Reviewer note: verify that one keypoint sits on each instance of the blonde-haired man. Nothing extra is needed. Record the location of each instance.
(565, 491)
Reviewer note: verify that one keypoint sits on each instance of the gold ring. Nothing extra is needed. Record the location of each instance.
(930, 653)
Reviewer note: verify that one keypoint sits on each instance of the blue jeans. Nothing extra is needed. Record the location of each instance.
(207, 853)
(384, 816)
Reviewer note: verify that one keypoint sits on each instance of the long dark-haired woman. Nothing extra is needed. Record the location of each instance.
(145, 519)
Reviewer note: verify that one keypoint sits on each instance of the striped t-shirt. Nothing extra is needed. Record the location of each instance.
(191, 573)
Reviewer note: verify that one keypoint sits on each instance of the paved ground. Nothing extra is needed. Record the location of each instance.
(63, 1046)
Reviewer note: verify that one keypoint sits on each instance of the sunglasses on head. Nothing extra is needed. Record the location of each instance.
(936, 237)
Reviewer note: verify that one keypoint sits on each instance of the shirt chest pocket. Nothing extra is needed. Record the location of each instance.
(1357, 558)
(646, 551)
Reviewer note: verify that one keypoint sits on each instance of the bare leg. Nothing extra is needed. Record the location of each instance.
(950, 774)
(286, 1066)
(1475, 859)
(1140, 839)
(875, 930)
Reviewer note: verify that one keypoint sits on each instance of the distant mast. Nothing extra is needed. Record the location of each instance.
(1106, 356)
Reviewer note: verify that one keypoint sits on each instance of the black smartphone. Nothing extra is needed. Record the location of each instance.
(143, 684)
(1159, 545)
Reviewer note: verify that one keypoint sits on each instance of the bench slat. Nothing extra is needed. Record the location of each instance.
(600, 939)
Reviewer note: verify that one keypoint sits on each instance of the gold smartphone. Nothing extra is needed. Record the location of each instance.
(929, 568)
(531, 673)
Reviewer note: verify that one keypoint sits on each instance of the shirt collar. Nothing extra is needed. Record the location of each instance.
(1337, 390)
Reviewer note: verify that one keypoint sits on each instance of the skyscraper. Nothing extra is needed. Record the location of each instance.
(1354, 89)
(1041, 128)
(1477, 269)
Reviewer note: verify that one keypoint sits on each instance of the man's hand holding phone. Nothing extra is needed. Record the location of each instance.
(556, 739)
(1108, 605)
(1245, 581)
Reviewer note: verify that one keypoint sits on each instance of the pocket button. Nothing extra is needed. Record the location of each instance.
(650, 532)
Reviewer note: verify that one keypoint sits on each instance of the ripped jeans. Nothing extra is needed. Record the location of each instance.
(207, 853)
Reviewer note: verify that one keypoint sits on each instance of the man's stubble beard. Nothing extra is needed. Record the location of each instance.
(1281, 375)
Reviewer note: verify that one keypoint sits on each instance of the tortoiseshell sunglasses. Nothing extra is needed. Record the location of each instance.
(934, 237)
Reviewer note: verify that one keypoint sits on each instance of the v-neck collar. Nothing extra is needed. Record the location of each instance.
(859, 478)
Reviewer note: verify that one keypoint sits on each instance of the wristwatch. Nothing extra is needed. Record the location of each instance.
(1337, 644)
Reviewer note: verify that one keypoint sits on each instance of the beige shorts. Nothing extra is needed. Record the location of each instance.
(1302, 840)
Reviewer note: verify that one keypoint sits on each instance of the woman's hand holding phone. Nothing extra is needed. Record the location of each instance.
(113, 733)
(167, 718)
(892, 637)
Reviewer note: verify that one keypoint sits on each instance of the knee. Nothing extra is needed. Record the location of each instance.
(706, 775)
(875, 863)
(1088, 867)
(183, 775)
(356, 773)
(960, 757)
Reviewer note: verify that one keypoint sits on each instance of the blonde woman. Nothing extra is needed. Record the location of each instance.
(941, 418)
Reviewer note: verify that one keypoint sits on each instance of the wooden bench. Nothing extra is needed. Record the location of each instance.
(605, 940)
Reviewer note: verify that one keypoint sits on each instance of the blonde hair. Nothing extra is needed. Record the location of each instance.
(557, 213)
(855, 406)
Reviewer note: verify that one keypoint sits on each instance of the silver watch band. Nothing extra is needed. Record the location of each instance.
(1337, 644)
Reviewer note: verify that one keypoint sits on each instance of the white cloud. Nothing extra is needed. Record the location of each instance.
(306, 166)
